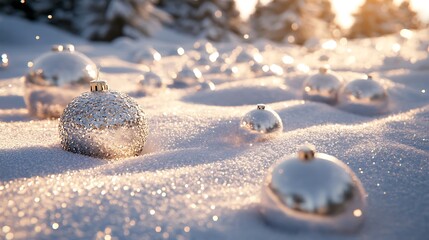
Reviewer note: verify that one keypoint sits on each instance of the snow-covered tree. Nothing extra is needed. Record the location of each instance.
(213, 19)
(56, 12)
(380, 17)
(108, 19)
(293, 20)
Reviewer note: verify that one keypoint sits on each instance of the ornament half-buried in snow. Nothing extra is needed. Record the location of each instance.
(261, 122)
(364, 96)
(313, 191)
(322, 87)
(55, 79)
(103, 124)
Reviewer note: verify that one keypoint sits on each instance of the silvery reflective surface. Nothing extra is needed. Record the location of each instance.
(262, 120)
(188, 77)
(103, 124)
(152, 80)
(322, 87)
(364, 96)
(313, 191)
(55, 79)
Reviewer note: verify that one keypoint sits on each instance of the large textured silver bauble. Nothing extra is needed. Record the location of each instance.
(55, 79)
(322, 87)
(313, 191)
(364, 96)
(262, 120)
(103, 124)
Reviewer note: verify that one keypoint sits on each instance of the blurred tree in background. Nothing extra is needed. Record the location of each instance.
(109, 19)
(380, 17)
(213, 19)
(56, 12)
(294, 21)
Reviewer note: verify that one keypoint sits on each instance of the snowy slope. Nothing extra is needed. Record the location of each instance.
(198, 179)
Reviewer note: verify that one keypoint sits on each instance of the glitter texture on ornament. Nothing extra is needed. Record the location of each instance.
(103, 124)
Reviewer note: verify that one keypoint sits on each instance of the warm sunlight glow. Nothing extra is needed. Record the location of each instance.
(357, 212)
(344, 9)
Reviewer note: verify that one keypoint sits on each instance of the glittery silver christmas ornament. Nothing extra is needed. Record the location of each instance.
(188, 77)
(55, 79)
(364, 96)
(262, 120)
(313, 191)
(322, 87)
(103, 124)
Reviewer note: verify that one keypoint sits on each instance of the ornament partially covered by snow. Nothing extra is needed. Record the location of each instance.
(103, 124)
(188, 77)
(364, 96)
(322, 87)
(313, 191)
(261, 123)
(55, 79)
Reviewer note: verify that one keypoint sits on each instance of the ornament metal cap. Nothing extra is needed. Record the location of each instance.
(98, 86)
(306, 152)
(260, 106)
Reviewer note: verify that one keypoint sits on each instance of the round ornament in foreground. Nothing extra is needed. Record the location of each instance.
(313, 191)
(55, 79)
(322, 87)
(364, 96)
(103, 124)
(261, 122)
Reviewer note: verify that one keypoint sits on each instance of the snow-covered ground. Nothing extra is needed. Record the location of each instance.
(197, 178)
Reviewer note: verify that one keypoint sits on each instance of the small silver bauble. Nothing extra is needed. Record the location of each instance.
(322, 87)
(188, 77)
(55, 79)
(104, 124)
(364, 96)
(313, 191)
(152, 80)
(262, 120)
